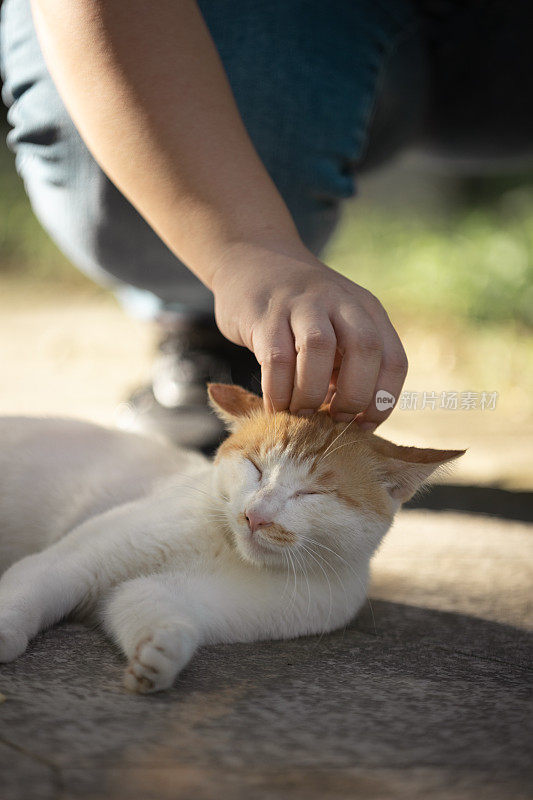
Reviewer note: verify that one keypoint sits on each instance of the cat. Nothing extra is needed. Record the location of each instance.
(168, 550)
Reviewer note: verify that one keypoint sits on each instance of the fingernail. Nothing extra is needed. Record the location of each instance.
(367, 426)
(305, 412)
(342, 417)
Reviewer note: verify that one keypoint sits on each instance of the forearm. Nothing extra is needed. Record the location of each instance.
(149, 95)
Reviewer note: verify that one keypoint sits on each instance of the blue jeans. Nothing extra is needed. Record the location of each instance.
(325, 89)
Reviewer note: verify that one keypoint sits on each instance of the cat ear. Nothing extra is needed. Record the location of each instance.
(405, 469)
(230, 403)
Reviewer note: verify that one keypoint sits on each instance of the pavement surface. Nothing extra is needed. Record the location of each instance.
(427, 694)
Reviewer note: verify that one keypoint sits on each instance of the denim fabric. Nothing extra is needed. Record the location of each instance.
(315, 83)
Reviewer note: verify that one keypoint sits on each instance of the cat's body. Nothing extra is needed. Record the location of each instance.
(57, 473)
(168, 550)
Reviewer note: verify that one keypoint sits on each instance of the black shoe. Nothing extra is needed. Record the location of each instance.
(174, 406)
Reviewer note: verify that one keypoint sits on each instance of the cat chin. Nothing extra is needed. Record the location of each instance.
(257, 552)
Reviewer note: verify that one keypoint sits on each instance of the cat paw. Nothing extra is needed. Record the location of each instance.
(13, 642)
(157, 659)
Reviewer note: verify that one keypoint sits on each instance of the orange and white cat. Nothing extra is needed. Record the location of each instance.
(169, 550)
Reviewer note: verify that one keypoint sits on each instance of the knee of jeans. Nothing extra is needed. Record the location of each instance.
(48, 148)
(98, 229)
(61, 178)
(42, 132)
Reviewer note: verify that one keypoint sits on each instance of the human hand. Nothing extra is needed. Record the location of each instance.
(317, 335)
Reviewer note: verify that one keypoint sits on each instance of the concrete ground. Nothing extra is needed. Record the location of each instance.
(427, 694)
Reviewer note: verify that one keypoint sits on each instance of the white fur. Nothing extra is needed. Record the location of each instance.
(151, 543)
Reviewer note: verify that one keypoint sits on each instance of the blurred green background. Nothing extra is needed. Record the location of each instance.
(472, 258)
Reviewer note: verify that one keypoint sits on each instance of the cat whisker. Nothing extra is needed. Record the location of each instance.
(355, 573)
(337, 575)
(335, 439)
(287, 577)
(292, 572)
(329, 549)
(352, 441)
(302, 565)
(306, 549)
(294, 590)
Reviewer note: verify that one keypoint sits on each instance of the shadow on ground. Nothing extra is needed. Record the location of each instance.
(405, 703)
(492, 500)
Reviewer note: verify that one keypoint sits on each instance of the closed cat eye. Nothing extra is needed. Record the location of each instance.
(252, 462)
(303, 492)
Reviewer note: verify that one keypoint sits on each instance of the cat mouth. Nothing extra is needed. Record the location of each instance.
(260, 546)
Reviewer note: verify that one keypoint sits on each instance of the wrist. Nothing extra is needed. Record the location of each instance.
(250, 254)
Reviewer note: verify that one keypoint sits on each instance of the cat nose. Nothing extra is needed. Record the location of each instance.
(256, 520)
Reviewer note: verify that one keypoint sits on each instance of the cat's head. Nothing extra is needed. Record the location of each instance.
(298, 486)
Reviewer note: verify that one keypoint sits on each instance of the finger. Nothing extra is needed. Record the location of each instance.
(361, 345)
(389, 382)
(315, 343)
(274, 349)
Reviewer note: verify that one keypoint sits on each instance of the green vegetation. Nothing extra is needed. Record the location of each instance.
(474, 264)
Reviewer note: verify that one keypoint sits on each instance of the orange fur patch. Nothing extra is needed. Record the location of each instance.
(278, 535)
(343, 460)
(345, 468)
